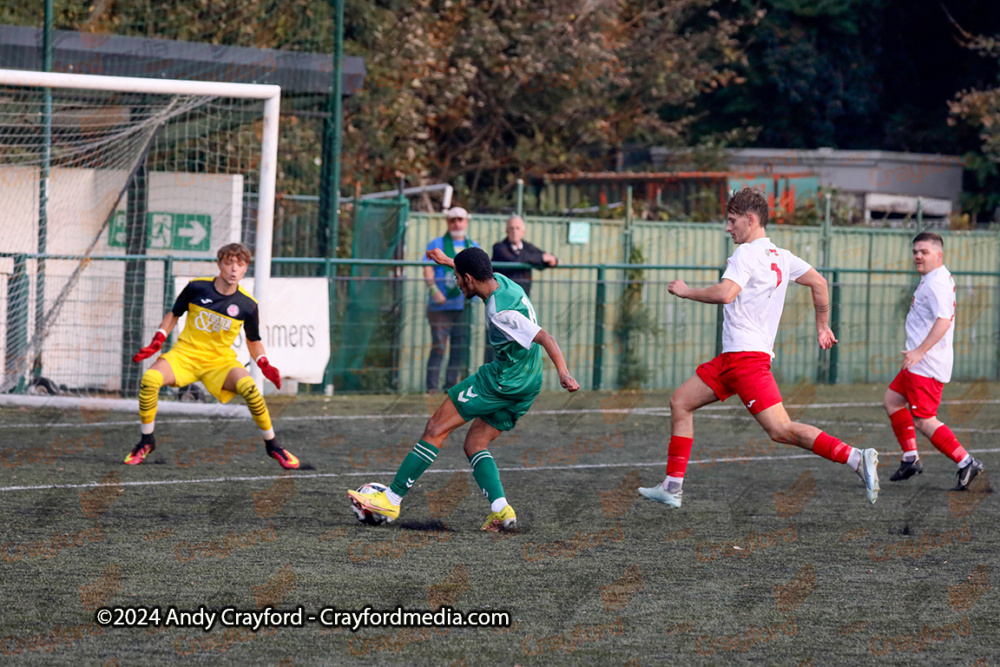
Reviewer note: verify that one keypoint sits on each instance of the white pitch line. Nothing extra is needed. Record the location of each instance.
(652, 411)
(388, 473)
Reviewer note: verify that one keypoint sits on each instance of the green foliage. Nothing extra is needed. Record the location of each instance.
(809, 81)
(481, 93)
(980, 108)
(982, 197)
(635, 324)
(498, 91)
(807, 213)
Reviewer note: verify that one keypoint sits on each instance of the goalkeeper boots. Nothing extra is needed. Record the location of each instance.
(141, 451)
(907, 469)
(376, 502)
(281, 455)
(505, 519)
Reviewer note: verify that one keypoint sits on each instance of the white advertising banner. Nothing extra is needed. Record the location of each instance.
(294, 326)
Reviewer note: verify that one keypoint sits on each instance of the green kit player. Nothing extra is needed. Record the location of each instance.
(493, 399)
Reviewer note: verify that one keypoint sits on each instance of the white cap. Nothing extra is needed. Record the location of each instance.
(456, 212)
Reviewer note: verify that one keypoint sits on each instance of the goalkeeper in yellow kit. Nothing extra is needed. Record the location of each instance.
(216, 309)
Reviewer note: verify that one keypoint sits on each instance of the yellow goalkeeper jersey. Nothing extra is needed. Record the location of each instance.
(214, 320)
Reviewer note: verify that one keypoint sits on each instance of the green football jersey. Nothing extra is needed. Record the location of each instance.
(511, 326)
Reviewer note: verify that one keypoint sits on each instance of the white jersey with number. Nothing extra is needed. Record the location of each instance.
(763, 271)
(933, 299)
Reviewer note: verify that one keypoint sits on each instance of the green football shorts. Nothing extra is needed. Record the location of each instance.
(479, 396)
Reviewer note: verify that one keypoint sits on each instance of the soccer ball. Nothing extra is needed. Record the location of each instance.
(368, 517)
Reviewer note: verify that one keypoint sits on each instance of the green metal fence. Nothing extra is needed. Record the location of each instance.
(656, 338)
(707, 244)
(605, 347)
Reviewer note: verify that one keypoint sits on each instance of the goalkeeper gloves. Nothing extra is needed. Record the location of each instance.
(152, 348)
(269, 371)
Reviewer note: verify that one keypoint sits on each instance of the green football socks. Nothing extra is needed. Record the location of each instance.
(413, 466)
(487, 476)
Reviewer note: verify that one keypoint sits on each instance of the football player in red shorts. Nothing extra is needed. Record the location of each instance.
(753, 293)
(913, 397)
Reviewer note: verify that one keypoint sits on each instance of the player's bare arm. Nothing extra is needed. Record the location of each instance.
(724, 292)
(551, 347)
(437, 255)
(436, 294)
(168, 322)
(937, 332)
(821, 302)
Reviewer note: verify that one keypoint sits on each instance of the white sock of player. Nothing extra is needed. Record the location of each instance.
(854, 458)
(147, 429)
(394, 498)
(673, 484)
(911, 456)
(965, 461)
(498, 504)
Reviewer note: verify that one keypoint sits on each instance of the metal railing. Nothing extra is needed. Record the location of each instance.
(608, 338)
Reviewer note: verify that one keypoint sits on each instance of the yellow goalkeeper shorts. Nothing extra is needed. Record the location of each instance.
(212, 373)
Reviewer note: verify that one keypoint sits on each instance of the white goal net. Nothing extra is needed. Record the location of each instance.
(111, 190)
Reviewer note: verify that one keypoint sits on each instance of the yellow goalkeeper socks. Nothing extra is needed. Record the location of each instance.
(247, 388)
(149, 392)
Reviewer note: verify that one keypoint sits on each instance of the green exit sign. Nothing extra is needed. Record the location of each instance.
(167, 231)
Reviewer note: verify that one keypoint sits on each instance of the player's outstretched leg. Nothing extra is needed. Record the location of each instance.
(149, 392)
(247, 388)
(487, 476)
(863, 461)
(444, 420)
(387, 502)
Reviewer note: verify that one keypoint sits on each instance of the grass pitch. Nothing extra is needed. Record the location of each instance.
(775, 557)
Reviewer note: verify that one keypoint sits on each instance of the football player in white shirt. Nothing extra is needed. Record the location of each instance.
(753, 291)
(914, 395)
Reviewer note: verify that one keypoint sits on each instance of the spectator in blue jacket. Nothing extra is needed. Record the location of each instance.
(446, 305)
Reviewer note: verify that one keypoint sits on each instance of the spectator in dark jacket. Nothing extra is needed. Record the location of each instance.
(515, 249)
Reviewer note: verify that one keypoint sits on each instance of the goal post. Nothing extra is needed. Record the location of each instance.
(126, 136)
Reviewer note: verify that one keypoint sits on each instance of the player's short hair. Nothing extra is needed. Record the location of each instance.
(237, 250)
(750, 200)
(474, 262)
(929, 236)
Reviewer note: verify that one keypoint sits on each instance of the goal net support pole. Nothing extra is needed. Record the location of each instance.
(268, 93)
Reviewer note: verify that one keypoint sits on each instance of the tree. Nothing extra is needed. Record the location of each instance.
(981, 108)
(488, 92)
(467, 91)
(811, 77)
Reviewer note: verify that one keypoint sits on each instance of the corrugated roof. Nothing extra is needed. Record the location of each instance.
(114, 55)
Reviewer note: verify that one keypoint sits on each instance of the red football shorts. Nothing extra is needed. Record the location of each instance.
(923, 394)
(747, 374)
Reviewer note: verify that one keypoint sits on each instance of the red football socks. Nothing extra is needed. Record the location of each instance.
(678, 454)
(830, 448)
(902, 426)
(947, 444)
